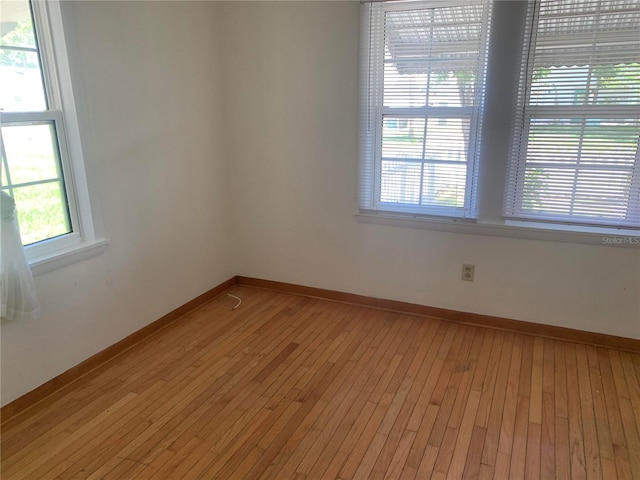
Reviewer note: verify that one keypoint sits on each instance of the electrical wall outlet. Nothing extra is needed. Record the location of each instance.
(467, 272)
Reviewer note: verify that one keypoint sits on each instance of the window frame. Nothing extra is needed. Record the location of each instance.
(55, 119)
(373, 113)
(528, 110)
(83, 241)
(503, 68)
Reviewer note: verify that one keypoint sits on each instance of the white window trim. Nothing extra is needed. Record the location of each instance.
(520, 230)
(372, 111)
(506, 30)
(83, 242)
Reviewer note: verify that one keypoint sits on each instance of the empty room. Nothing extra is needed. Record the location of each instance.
(320, 239)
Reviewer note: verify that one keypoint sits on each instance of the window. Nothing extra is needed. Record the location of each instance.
(31, 134)
(42, 166)
(553, 89)
(423, 106)
(575, 152)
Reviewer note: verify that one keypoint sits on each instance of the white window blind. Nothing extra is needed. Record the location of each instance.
(575, 157)
(423, 76)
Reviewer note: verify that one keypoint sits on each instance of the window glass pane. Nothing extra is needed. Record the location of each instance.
(33, 175)
(400, 182)
(553, 140)
(20, 72)
(423, 183)
(576, 192)
(444, 184)
(580, 167)
(42, 211)
(31, 152)
(431, 56)
(447, 138)
(17, 27)
(586, 85)
(583, 141)
(437, 174)
(402, 137)
(3, 176)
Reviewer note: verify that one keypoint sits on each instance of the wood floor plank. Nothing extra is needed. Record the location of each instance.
(506, 424)
(292, 387)
(473, 462)
(491, 375)
(605, 445)
(519, 446)
(547, 433)
(576, 436)
(547, 437)
(561, 413)
(499, 400)
(591, 448)
(614, 417)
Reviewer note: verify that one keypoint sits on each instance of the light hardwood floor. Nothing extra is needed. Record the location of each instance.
(294, 387)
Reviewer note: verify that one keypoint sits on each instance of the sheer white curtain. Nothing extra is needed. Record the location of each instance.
(17, 289)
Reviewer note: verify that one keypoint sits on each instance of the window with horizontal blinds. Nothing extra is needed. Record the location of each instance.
(575, 157)
(423, 77)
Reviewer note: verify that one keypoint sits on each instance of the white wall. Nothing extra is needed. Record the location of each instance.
(146, 80)
(290, 83)
(221, 139)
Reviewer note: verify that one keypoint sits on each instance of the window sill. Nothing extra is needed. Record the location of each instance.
(527, 231)
(61, 258)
